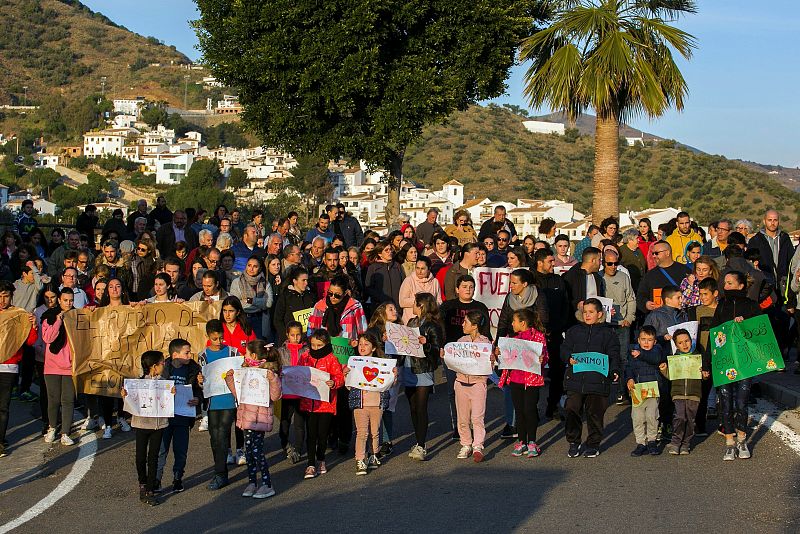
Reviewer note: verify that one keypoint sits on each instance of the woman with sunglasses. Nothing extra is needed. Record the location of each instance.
(342, 316)
(462, 228)
(143, 268)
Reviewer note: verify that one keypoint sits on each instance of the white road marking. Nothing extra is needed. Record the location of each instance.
(86, 453)
(767, 415)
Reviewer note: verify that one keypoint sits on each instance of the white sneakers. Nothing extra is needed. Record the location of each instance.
(50, 437)
(66, 440)
(249, 490)
(417, 453)
(203, 424)
(464, 452)
(90, 423)
(123, 424)
(106, 432)
(263, 492)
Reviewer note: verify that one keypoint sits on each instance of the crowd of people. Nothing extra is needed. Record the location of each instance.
(357, 282)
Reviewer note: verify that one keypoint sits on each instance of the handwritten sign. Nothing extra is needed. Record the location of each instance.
(491, 288)
(370, 374)
(590, 362)
(401, 339)
(252, 386)
(183, 394)
(469, 358)
(743, 350)
(519, 354)
(608, 307)
(214, 375)
(342, 349)
(14, 330)
(302, 317)
(685, 366)
(107, 343)
(308, 382)
(643, 391)
(149, 398)
(689, 326)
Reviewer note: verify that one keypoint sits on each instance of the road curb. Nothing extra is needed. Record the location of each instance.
(780, 394)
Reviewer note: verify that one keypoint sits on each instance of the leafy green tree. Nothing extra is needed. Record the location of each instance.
(237, 178)
(310, 178)
(614, 56)
(359, 78)
(155, 113)
(200, 188)
(226, 134)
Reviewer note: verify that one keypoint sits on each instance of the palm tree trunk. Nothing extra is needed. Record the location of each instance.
(393, 200)
(605, 202)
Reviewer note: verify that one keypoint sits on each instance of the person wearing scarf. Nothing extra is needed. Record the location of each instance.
(58, 368)
(256, 296)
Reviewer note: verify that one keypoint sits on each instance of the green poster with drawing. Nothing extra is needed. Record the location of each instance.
(743, 350)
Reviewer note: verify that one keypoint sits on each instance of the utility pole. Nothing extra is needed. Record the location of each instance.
(185, 90)
(103, 86)
(25, 98)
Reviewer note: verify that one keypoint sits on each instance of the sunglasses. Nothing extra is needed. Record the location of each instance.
(657, 252)
(142, 249)
(612, 263)
(336, 296)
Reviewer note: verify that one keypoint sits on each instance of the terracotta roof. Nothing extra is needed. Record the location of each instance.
(472, 203)
(453, 182)
(573, 225)
(533, 209)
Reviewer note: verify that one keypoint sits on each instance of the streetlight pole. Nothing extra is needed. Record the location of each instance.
(103, 86)
(185, 90)
(25, 98)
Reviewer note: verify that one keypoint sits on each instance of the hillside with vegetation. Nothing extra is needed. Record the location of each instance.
(63, 48)
(493, 155)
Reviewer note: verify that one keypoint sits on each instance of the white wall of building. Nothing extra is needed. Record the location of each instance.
(544, 127)
(172, 168)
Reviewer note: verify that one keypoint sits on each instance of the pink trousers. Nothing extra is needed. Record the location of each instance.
(471, 408)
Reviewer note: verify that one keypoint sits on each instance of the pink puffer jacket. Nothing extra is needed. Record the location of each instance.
(252, 417)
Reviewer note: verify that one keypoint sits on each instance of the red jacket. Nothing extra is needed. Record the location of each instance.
(330, 365)
(15, 359)
(530, 379)
(236, 339)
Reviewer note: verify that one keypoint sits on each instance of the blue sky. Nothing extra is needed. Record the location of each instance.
(742, 79)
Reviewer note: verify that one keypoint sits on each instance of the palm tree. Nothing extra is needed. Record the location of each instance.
(614, 56)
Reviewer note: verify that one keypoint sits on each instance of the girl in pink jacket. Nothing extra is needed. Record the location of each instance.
(525, 386)
(256, 419)
(58, 368)
(420, 281)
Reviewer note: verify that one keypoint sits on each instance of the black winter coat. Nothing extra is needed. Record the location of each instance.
(289, 301)
(734, 304)
(434, 342)
(590, 338)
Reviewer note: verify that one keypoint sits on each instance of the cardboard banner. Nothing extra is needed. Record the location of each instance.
(302, 317)
(491, 288)
(643, 391)
(743, 350)
(590, 362)
(469, 358)
(252, 386)
(14, 329)
(214, 375)
(401, 339)
(304, 381)
(519, 354)
(107, 343)
(183, 394)
(370, 374)
(342, 349)
(685, 366)
(689, 326)
(149, 398)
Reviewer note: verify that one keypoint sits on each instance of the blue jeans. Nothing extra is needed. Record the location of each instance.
(733, 406)
(178, 437)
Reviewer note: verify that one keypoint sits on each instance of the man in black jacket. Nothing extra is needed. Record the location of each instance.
(496, 223)
(583, 281)
(350, 228)
(555, 290)
(667, 272)
(171, 233)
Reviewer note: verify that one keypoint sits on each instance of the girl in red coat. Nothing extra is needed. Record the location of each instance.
(320, 413)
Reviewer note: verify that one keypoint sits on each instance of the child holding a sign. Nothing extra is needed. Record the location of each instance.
(256, 419)
(368, 407)
(292, 351)
(641, 373)
(320, 413)
(470, 392)
(686, 392)
(588, 390)
(526, 386)
(149, 431)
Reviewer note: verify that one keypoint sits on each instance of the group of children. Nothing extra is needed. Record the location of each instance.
(672, 405)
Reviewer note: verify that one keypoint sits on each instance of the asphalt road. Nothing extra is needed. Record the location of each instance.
(611, 493)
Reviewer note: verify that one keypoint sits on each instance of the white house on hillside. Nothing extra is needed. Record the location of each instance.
(172, 168)
(544, 127)
(129, 106)
(104, 143)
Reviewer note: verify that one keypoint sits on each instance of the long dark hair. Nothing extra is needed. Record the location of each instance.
(51, 316)
(241, 318)
(106, 300)
(50, 286)
(650, 235)
(430, 310)
(167, 280)
(479, 319)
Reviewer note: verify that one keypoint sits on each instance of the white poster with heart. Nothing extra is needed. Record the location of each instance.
(519, 354)
(469, 358)
(370, 374)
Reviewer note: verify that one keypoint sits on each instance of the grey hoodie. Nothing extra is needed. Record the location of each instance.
(25, 295)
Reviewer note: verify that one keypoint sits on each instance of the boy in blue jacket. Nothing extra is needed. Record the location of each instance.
(642, 367)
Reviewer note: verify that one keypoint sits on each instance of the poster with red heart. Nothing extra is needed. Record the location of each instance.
(370, 374)
(519, 354)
